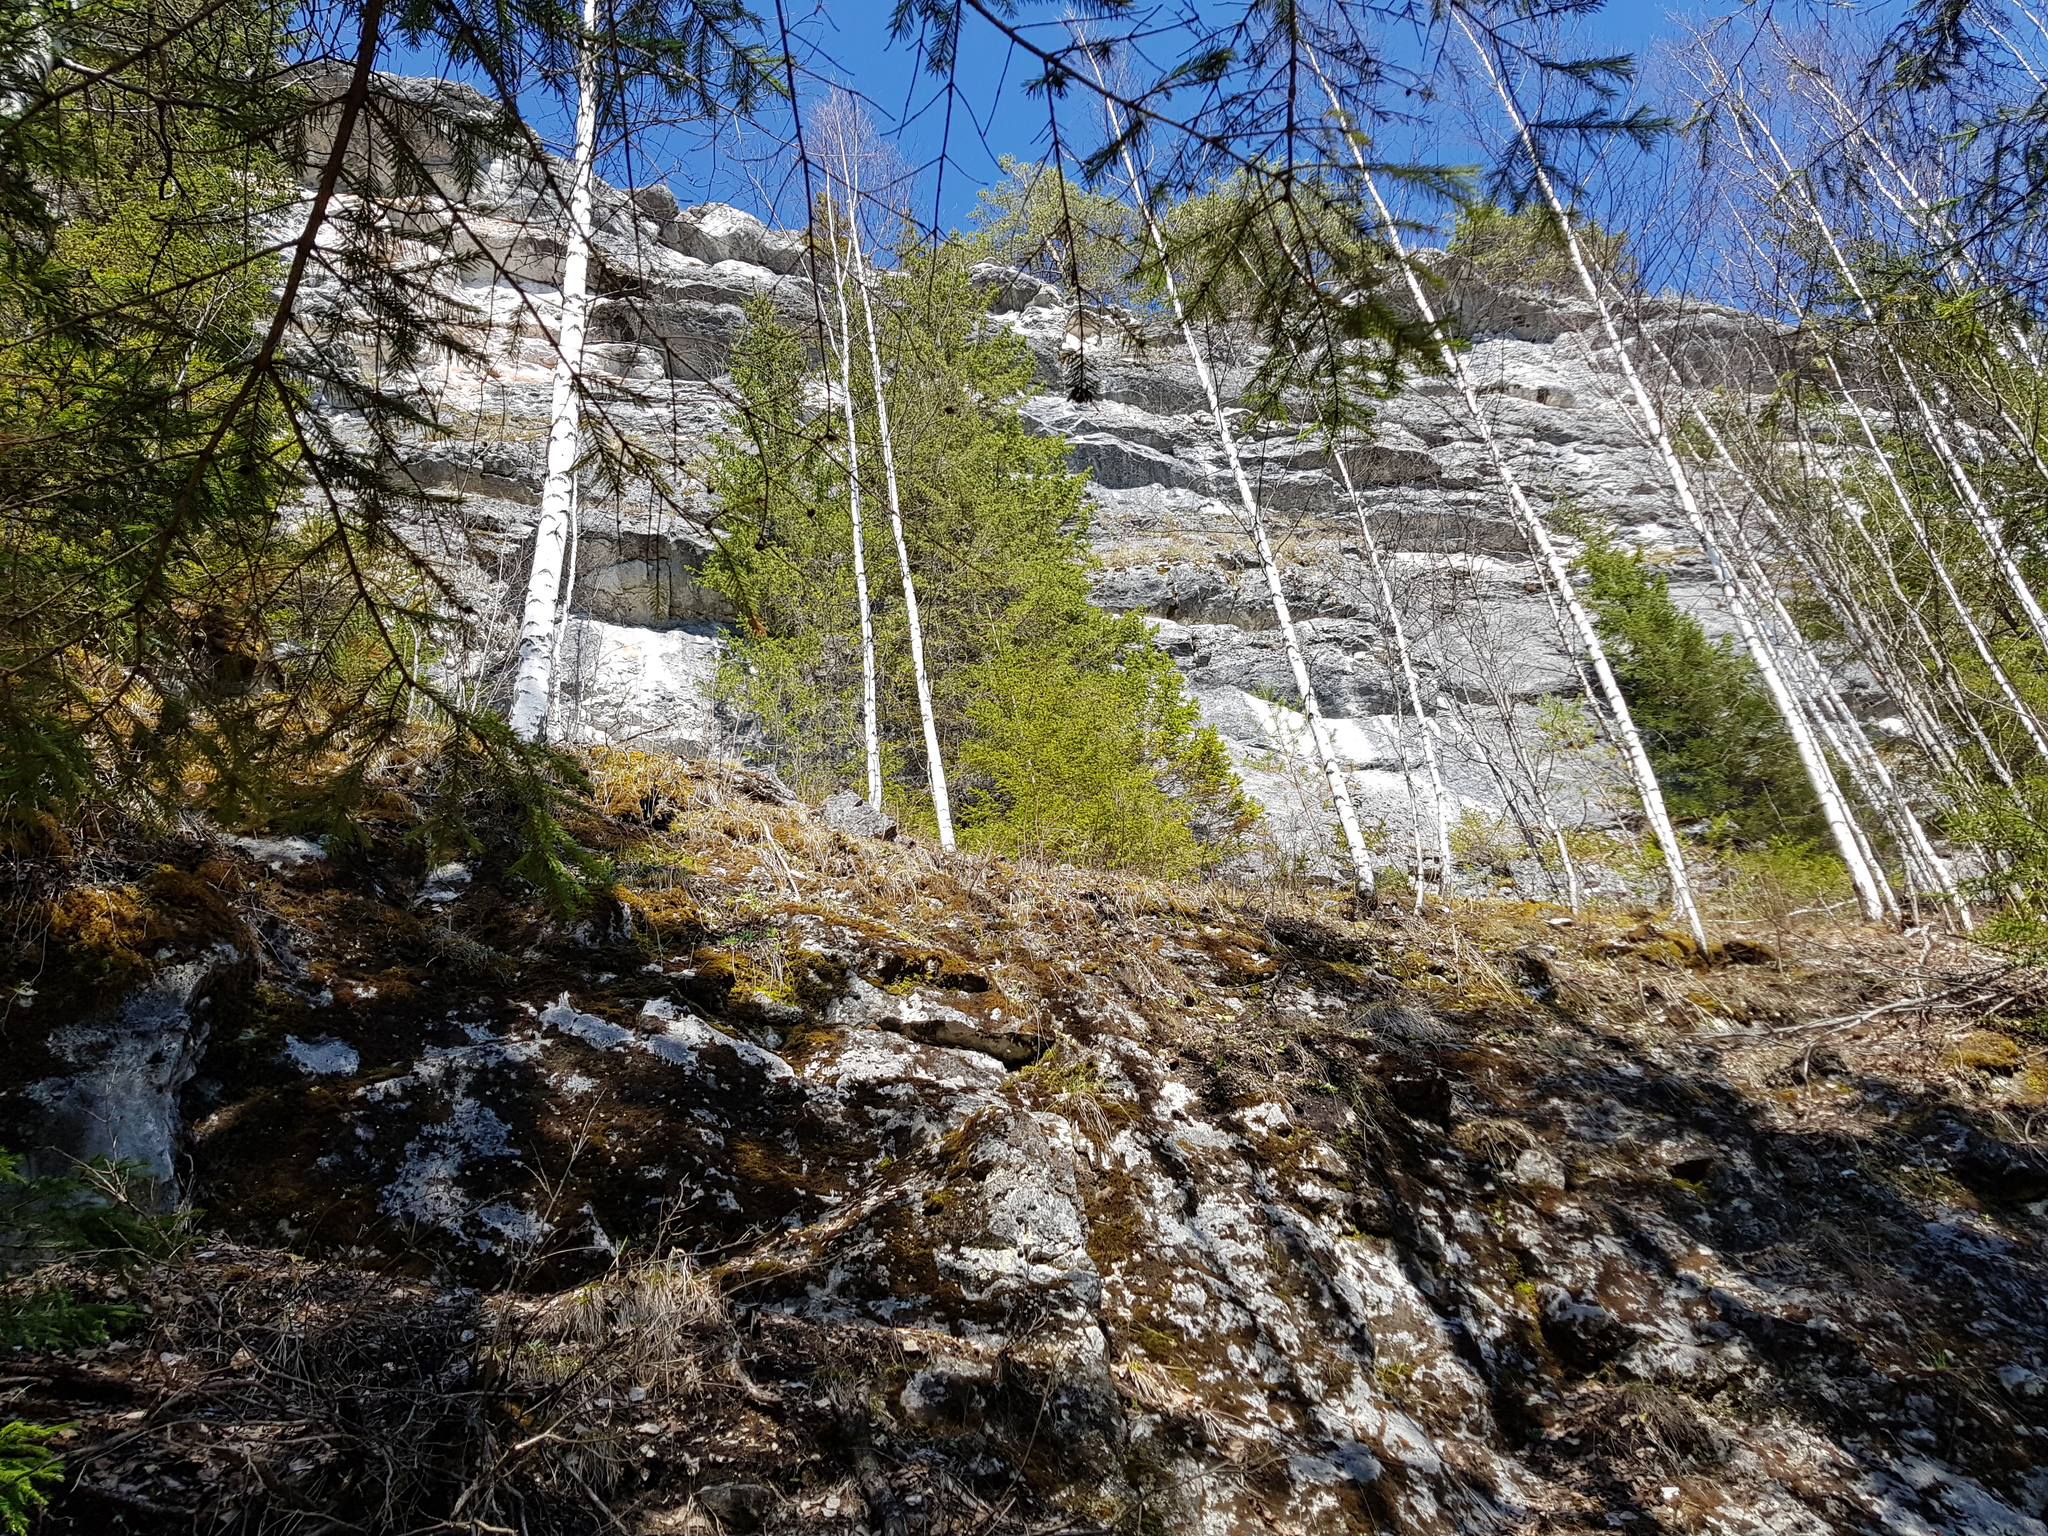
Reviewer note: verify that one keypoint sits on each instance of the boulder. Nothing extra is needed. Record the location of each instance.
(719, 232)
(848, 812)
(121, 1073)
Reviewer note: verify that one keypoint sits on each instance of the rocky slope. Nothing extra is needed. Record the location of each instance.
(817, 1181)
(643, 640)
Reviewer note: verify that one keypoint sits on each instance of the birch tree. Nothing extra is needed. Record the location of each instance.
(871, 736)
(533, 682)
(1320, 740)
(935, 766)
(1549, 558)
(1845, 836)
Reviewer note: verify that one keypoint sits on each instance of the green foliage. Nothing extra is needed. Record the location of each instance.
(1528, 249)
(28, 1470)
(1481, 840)
(2013, 823)
(94, 1214)
(102, 1209)
(1064, 727)
(138, 478)
(1035, 217)
(491, 794)
(1095, 758)
(1722, 754)
(173, 632)
(206, 600)
(1779, 879)
(1304, 264)
(50, 1317)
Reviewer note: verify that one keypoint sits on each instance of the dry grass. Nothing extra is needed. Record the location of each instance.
(604, 1371)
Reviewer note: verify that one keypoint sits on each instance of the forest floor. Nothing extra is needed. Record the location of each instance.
(818, 1182)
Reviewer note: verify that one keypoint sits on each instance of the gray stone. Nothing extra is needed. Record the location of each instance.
(657, 203)
(740, 1506)
(848, 812)
(960, 1022)
(1011, 288)
(131, 1063)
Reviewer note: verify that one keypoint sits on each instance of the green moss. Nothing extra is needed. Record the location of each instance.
(1116, 1224)
(1063, 1070)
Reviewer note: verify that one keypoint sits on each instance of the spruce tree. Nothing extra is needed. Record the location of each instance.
(1066, 725)
(1720, 748)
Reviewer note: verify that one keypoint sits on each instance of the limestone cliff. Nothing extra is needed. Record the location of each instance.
(641, 647)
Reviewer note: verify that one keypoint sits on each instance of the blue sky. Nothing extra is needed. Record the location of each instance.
(991, 114)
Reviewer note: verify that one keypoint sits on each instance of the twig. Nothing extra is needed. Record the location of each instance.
(1926, 1003)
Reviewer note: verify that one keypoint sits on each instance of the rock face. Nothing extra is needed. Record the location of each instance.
(119, 1074)
(857, 1187)
(1166, 526)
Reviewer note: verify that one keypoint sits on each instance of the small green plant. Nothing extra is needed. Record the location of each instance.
(1396, 1378)
(1781, 878)
(1483, 841)
(97, 1213)
(1063, 1071)
(50, 1317)
(28, 1470)
(102, 1208)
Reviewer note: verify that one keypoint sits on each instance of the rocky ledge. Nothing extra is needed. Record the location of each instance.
(817, 1181)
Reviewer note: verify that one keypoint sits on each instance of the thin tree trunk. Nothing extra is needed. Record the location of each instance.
(1648, 791)
(1409, 682)
(871, 736)
(1839, 592)
(942, 806)
(1319, 735)
(1837, 722)
(1939, 231)
(533, 683)
(1825, 789)
(1926, 868)
(1981, 515)
(1924, 538)
(1850, 838)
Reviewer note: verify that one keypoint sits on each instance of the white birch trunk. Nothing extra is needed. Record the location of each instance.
(1981, 516)
(533, 683)
(871, 736)
(942, 807)
(1825, 789)
(1851, 841)
(1333, 770)
(1920, 210)
(1648, 791)
(1921, 536)
(1927, 869)
(1411, 685)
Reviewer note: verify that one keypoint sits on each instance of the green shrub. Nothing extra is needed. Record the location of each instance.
(94, 1213)
(1528, 249)
(28, 1469)
(1064, 729)
(49, 1317)
(99, 1210)
(1714, 735)
(1779, 879)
